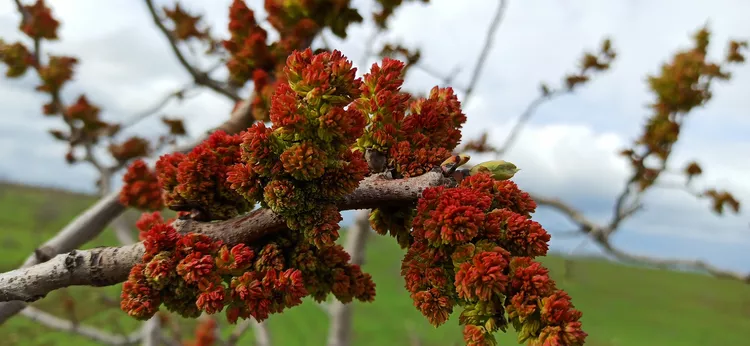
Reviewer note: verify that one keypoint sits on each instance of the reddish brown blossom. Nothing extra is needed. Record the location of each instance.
(59, 70)
(141, 189)
(483, 277)
(17, 57)
(38, 21)
(304, 161)
(185, 25)
(434, 305)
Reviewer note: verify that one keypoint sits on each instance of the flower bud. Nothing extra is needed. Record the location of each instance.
(499, 169)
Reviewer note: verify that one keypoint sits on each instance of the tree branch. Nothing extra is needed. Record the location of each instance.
(238, 331)
(91, 333)
(523, 119)
(672, 263)
(262, 335)
(106, 266)
(494, 25)
(200, 77)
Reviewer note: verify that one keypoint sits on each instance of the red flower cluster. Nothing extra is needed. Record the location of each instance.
(192, 273)
(473, 246)
(147, 221)
(297, 22)
(543, 314)
(39, 22)
(141, 189)
(413, 143)
(302, 165)
(247, 44)
(198, 180)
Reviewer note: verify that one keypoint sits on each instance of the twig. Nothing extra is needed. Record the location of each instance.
(238, 331)
(494, 25)
(200, 77)
(180, 94)
(524, 118)
(151, 332)
(89, 332)
(262, 335)
(106, 266)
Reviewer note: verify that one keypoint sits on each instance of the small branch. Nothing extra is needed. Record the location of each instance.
(106, 266)
(91, 333)
(179, 94)
(262, 335)
(151, 332)
(523, 119)
(672, 263)
(238, 331)
(494, 25)
(200, 77)
(586, 225)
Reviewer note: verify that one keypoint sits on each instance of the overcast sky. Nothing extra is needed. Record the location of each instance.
(568, 149)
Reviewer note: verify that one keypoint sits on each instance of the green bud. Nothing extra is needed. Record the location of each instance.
(499, 169)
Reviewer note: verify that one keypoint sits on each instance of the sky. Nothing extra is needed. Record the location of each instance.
(568, 149)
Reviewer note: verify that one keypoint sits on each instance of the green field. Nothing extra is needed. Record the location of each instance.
(621, 305)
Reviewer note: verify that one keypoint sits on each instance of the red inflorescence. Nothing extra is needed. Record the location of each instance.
(141, 189)
(198, 180)
(192, 273)
(473, 247)
(38, 21)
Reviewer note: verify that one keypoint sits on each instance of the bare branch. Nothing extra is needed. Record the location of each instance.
(151, 332)
(340, 330)
(524, 118)
(200, 77)
(238, 331)
(89, 332)
(179, 94)
(489, 39)
(586, 225)
(106, 266)
(672, 263)
(262, 335)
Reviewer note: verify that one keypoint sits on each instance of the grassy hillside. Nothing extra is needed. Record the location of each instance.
(621, 305)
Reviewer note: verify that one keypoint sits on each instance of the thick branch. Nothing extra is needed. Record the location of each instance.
(106, 266)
